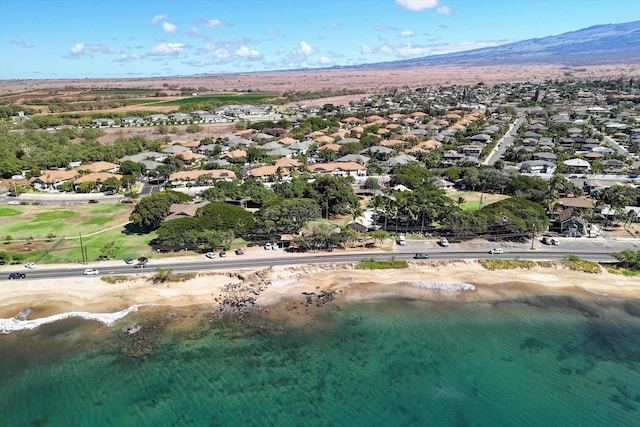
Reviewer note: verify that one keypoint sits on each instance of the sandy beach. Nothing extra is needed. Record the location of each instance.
(449, 280)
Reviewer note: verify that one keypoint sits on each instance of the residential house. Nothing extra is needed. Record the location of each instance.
(400, 159)
(101, 123)
(185, 210)
(473, 149)
(265, 173)
(146, 155)
(614, 166)
(190, 158)
(357, 158)
(98, 177)
(98, 167)
(577, 165)
(537, 166)
(339, 169)
(52, 180)
(200, 177)
(132, 121)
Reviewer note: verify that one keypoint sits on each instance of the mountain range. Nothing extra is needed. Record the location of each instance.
(600, 44)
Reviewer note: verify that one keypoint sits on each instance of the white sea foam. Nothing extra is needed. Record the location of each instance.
(12, 325)
(443, 286)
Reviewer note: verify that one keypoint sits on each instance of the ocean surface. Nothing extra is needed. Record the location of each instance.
(547, 361)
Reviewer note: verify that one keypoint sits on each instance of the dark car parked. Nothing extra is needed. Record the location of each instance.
(17, 276)
(421, 256)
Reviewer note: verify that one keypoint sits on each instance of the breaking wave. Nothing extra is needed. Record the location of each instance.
(443, 286)
(13, 324)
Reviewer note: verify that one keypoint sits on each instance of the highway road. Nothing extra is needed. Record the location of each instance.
(598, 251)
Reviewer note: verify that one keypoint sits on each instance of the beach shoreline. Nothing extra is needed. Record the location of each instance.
(465, 281)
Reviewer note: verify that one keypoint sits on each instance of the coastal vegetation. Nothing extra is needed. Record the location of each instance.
(572, 263)
(373, 264)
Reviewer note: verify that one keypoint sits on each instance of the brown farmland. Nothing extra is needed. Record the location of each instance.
(364, 80)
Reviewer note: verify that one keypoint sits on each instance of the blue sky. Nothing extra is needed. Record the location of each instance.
(43, 39)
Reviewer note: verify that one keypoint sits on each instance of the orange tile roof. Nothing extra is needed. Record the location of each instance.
(333, 147)
(195, 174)
(96, 176)
(188, 155)
(97, 166)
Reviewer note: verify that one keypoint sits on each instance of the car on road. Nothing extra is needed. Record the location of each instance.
(64, 203)
(421, 256)
(444, 242)
(93, 201)
(139, 265)
(128, 260)
(13, 202)
(31, 265)
(239, 251)
(210, 255)
(222, 254)
(13, 276)
(494, 251)
(90, 272)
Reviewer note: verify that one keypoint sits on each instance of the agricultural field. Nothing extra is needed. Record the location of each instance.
(220, 99)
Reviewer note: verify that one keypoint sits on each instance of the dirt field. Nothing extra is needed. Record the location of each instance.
(367, 80)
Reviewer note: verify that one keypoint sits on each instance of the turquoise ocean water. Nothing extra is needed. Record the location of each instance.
(392, 362)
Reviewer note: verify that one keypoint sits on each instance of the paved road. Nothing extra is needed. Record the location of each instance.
(505, 141)
(591, 250)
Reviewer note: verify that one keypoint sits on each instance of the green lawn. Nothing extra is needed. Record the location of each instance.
(39, 221)
(128, 245)
(9, 212)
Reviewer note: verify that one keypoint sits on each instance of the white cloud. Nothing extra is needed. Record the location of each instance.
(365, 48)
(77, 49)
(408, 33)
(305, 48)
(99, 47)
(222, 53)
(214, 23)
(168, 27)
(193, 32)
(167, 49)
(273, 31)
(418, 5)
(324, 60)
(445, 10)
(17, 40)
(127, 57)
(159, 18)
(245, 52)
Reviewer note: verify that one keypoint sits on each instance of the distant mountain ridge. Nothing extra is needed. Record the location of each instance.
(600, 44)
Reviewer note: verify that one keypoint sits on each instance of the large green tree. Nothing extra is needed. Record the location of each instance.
(153, 209)
(334, 194)
(225, 216)
(285, 216)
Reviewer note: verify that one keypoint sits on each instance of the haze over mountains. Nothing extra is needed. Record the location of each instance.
(600, 44)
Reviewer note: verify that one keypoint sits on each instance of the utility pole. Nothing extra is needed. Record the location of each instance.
(82, 253)
(533, 234)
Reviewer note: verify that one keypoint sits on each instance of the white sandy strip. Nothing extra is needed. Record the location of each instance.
(12, 325)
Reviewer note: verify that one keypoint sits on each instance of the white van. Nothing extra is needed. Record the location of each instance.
(402, 241)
